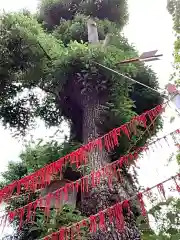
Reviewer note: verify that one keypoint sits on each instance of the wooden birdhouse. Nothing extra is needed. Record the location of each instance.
(174, 94)
(52, 187)
(92, 31)
(56, 184)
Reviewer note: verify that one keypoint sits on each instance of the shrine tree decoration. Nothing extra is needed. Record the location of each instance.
(109, 172)
(109, 141)
(114, 214)
(126, 159)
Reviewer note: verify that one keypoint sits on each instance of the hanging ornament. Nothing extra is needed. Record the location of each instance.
(174, 94)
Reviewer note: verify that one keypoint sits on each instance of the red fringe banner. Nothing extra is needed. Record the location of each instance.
(91, 180)
(43, 176)
(161, 190)
(114, 214)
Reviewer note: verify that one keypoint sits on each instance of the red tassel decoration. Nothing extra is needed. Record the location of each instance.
(18, 187)
(86, 183)
(125, 205)
(42, 180)
(62, 234)
(82, 160)
(35, 205)
(126, 160)
(110, 215)
(48, 174)
(78, 231)
(82, 185)
(150, 117)
(119, 218)
(142, 205)
(161, 189)
(46, 238)
(77, 157)
(114, 135)
(21, 217)
(143, 120)
(93, 226)
(109, 175)
(84, 223)
(124, 128)
(58, 166)
(121, 162)
(11, 216)
(72, 157)
(48, 204)
(177, 186)
(98, 177)
(28, 217)
(93, 183)
(71, 233)
(54, 236)
(99, 144)
(57, 196)
(102, 224)
(178, 131)
(114, 171)
(136, 155)
(107, 143)
(66, 192)
(88, 147)
(133, 126)
(149, 194)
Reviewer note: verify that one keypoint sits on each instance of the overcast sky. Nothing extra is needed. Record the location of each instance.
(150, 27)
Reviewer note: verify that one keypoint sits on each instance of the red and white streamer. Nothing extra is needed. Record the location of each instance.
(109, 141)
(114, 214)
(89, 181)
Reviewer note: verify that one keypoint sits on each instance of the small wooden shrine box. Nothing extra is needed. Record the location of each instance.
(56, 184)
(52, 187)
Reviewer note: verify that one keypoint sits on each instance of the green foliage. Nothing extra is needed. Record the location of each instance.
(64, 217)
(36, 84)
(35, 156)
(173, 7)
(76, 29)
(166, 216)
(22, 63)
(15, 171)
(52, 11)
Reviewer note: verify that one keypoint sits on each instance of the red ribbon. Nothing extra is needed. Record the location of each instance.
(161, 189)
(93, 224)
(37, 179)
(142, 205)
(102, 224)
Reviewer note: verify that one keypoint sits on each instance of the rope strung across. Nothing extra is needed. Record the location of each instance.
(110, 171)
(114, 214)
(109, 141)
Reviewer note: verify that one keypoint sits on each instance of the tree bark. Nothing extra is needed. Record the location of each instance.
(103, 196)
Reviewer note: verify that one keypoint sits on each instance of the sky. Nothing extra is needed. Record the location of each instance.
(150, 28)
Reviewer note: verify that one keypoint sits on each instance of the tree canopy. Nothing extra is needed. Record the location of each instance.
(34, 85)
(173, 7)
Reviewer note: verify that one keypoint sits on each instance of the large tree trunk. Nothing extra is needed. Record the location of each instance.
(103, 196)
